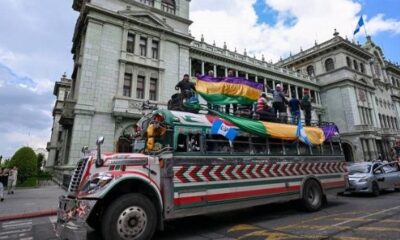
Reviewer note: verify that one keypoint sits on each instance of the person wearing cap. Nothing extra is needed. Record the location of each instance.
(278, 101)
(185, 86)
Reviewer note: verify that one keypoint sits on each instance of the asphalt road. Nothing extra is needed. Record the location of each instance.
(28, 229)
(356, 217)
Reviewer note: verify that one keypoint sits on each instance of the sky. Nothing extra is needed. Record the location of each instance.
(36, 40)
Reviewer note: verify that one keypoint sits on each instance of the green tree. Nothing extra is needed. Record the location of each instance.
(26, 161)
(40, 159)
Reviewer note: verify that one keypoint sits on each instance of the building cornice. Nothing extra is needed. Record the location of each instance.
(323, 48)
(225, 55)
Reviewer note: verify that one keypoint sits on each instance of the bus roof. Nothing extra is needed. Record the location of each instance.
(316, 135)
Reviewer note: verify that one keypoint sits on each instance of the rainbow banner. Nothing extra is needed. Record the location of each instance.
(228, 90)
(315, 135)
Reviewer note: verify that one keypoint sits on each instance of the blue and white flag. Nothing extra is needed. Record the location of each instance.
(359, 25)
(219, 127)
(301, 134)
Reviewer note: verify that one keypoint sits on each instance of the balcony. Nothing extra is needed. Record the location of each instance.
(148, 2)
(364, 128)
(67, 115)
(128, 107)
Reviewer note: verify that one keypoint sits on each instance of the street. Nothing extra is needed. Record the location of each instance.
(353, 217)
(28, 229)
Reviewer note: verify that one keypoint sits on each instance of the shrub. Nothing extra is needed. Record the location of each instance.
(26, 161)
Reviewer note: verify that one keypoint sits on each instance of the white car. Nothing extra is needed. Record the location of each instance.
(373, 177)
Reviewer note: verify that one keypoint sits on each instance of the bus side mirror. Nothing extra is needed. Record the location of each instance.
(99, 142)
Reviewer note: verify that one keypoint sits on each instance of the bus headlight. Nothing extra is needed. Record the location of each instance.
(97, 182)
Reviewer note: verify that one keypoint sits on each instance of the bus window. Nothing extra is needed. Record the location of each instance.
(290, 147)
(188, 142)
(259, 146)
(326, 148)
(181, 145)
(194, 142)
(217, 144)
(241, 144)
(336, 148)
(275, 146)
(304, 149)
(316, 149)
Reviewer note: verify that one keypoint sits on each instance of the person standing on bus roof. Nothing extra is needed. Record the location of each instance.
(186, 87)
(294, 107)
(306, 106)
(278, 101)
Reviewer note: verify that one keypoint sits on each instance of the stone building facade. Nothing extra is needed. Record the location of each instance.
(128, 51)
(359, 92)
(56, 147)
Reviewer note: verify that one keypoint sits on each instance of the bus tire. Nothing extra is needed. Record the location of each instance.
(313, 197)
(131, 216)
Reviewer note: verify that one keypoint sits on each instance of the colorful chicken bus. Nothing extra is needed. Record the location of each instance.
(180, 169)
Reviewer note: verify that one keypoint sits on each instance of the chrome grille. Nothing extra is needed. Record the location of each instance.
(77, 176)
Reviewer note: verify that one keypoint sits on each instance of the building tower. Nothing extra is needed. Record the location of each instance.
(124, 51)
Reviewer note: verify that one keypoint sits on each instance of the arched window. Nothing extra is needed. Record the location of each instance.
(168, 6)
(310, 70)
(329, 65)
(355, 65)
(362, 69)
(348, 62)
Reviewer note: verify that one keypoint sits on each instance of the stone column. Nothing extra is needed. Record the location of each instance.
(365, 148)
(226, 71)
(215, 70)
(297, 91)
(372, 149)
(149, 54)
(202, 67)
(121, 78)
(273, 84)
(247, 76)
(289, 89)
(190, 67)
(237, 73)
(137, 44)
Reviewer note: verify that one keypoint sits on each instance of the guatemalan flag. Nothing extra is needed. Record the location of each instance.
(359, 25)
(219, 127)
(301, 134)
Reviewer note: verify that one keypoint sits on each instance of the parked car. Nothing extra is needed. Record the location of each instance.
(373, 177)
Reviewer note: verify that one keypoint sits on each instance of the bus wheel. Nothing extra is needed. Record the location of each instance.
(312, 196)
(130, 217)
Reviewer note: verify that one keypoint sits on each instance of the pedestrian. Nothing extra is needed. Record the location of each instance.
(3, 182)
(278, 102)
(306, 106)
(234, 105)
(294, 107)
(186, 87)
(12, 179)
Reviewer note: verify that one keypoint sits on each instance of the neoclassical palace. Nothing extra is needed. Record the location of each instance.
(128, 51)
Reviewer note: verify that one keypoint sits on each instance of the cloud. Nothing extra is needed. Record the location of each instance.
(379, 24)
(25, 112)
(298, 24)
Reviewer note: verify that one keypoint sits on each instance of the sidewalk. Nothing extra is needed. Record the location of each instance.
(30, 202)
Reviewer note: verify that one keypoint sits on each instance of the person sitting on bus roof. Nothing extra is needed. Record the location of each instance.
(263, 109)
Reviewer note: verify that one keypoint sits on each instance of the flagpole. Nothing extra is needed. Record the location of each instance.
(365, 30)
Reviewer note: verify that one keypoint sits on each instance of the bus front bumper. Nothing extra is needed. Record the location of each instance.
(71, 217)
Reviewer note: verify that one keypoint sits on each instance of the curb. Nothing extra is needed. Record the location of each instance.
(43, 213)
